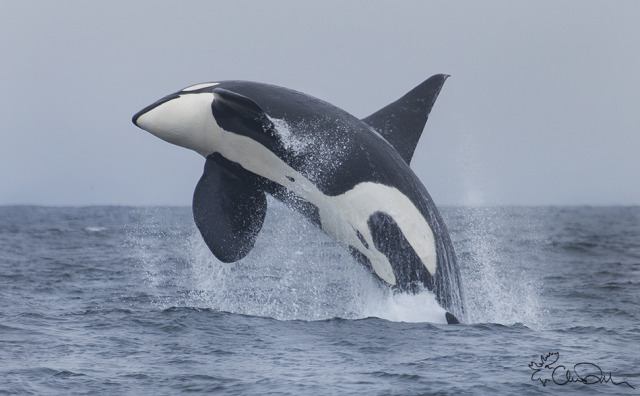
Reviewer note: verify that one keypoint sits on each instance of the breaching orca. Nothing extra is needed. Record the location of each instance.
(350, 177)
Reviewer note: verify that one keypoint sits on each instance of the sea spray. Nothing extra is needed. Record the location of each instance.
(296, 272)
(502, 285)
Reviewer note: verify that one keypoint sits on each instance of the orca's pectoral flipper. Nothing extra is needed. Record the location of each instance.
(403, 121)
(228, 209)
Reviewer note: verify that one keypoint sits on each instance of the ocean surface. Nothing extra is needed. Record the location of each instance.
(122, 300)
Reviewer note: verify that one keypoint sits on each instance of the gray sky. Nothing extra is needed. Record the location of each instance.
(543, 106)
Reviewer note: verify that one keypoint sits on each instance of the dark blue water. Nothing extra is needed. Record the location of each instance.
(115, 300)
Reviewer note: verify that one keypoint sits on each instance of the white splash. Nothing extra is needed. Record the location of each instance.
(404, 307)
(500, 284)
(295, 272)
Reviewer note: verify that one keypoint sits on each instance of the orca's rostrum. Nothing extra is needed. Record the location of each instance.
(350, 177)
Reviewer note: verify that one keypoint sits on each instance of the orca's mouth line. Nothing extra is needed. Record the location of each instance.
(153, 106)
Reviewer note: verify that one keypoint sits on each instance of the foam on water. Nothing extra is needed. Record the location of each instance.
(95, 229)
(404, 307)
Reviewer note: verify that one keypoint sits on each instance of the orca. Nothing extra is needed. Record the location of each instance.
(349, 176)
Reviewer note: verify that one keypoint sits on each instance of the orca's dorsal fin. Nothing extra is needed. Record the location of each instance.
(228, 209)
(403, 121)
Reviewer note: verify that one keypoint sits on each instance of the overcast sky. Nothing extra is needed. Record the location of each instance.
(543, 106)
